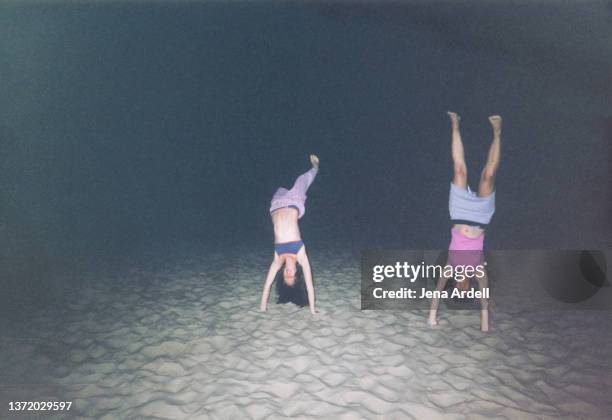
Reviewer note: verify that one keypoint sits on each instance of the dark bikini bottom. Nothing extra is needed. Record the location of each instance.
(288, 247)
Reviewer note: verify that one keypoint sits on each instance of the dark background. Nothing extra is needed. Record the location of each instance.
(127, 126)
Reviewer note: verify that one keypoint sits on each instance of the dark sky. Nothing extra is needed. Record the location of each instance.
(127, 124)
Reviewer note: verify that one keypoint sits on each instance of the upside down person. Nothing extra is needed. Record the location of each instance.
(286, 209)
(470, 214)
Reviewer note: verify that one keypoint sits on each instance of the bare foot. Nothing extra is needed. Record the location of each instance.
(314, 159)
(496, 123)
(455, 118)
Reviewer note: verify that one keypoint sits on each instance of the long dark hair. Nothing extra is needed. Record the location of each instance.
(295, 294)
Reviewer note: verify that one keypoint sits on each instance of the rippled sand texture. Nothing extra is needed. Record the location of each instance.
(185, 339)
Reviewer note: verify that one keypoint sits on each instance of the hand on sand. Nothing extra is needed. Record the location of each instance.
(496, 123)
(314, 159)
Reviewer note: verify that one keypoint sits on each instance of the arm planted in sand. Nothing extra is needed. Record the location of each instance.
(483, 283)
(303, 261)
(435, 301)
(274, 267)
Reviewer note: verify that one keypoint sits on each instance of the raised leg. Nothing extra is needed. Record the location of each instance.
(487, 177)
(302, 183)
(459, 166)
(483, 283)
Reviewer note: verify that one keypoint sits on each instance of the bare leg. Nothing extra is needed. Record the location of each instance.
(487, 177)
(483, 283)
(435, 301)
(459, 166)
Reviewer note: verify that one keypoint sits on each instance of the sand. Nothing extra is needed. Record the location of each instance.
(184, 338)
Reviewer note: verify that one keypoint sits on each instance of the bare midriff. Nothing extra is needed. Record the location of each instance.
(469, 231)
(286, 228)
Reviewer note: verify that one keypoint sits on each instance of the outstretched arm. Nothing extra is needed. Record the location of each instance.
(274, 267)
(302, 259)
(483, 284)
(435, 301)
